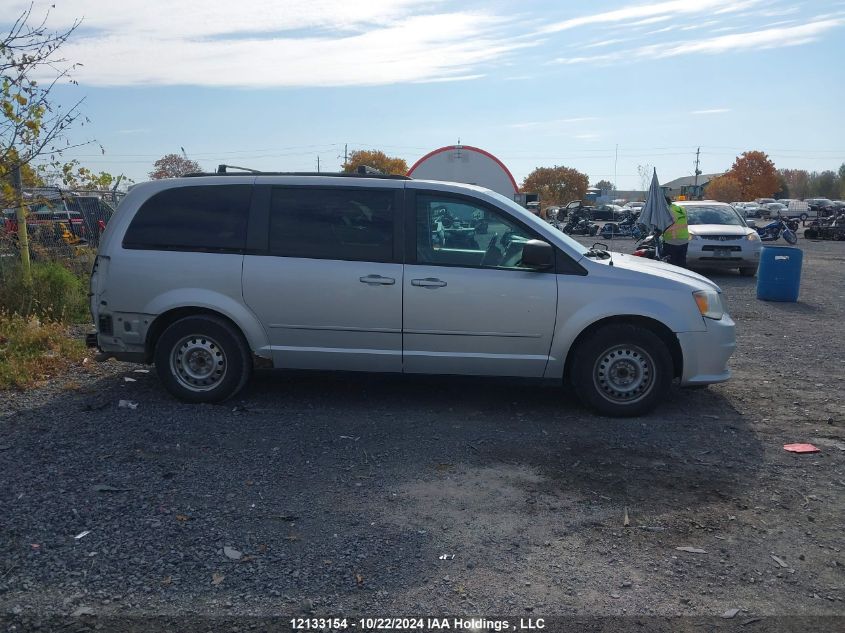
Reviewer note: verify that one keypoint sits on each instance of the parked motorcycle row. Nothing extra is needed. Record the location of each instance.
(829, 228)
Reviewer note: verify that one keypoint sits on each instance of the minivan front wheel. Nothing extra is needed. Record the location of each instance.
(622, 370)
(202, 359)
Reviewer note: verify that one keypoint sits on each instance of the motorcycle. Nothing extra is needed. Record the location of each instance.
(580, 225)
(648, 247)
(776, 229)
(627, 227)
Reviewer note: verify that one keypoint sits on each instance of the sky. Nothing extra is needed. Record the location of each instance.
(603, 87)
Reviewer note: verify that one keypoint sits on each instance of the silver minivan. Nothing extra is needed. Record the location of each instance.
(208, 276)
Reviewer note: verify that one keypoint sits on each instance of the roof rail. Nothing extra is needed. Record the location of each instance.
(341, 174)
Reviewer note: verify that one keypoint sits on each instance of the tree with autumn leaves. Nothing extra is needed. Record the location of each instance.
(725, 188)
(174, 166)
(377, 159)
(556, 185)
(33, 125)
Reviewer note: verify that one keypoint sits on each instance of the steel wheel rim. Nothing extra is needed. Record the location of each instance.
(624, 374)
(198, 363)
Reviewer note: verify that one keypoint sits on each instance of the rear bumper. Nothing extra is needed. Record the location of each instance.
(113, 347)
(706, 353)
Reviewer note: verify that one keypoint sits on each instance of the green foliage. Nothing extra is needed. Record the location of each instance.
(77, 177)
(55, 294)
(32, 350)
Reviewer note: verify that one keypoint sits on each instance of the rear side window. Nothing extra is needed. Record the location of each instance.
(205, 218)
(348, 224)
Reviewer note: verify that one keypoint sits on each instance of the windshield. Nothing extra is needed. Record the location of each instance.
(713, 215)
(576, 246)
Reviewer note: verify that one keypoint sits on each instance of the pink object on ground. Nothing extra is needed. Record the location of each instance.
(800, 448)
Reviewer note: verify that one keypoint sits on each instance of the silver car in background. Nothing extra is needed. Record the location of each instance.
(720, 238)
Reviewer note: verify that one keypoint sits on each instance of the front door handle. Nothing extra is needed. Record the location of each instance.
(428, 282)
(377, 280)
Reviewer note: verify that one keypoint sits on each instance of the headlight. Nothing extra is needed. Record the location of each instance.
(709, 304)
(752, 237)
(693, 236)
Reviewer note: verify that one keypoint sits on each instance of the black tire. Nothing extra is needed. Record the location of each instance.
(790, 236)
(631, 351)
(803, 217)
(203, 358)
(748, 272)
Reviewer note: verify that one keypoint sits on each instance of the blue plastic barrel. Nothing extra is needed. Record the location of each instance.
(779, 274)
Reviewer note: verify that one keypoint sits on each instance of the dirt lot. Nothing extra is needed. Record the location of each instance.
(387, 496)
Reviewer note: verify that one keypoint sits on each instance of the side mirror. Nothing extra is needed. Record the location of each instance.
(538, 255)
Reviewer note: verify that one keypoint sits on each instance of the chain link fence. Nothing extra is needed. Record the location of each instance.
(61, 224)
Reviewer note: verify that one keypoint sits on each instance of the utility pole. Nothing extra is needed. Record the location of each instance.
(615, 163)
(20, 216)
(318, 163)
(697, 170)
(345, 154)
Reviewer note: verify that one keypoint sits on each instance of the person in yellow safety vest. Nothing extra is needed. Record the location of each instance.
(676, 237)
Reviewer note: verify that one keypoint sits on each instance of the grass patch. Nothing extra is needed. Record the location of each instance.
(55, 293)
(32, 351)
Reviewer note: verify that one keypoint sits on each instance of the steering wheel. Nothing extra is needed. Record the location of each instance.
(491, 253)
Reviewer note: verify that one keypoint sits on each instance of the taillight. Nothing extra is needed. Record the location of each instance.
(640, 253)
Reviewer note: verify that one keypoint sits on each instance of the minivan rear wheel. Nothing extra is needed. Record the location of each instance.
(202, 358)
(622, 370)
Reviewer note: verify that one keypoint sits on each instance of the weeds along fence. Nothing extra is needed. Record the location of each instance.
(61, 224)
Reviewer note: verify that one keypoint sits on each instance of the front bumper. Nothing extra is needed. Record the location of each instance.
(728, 254)
(706, 353)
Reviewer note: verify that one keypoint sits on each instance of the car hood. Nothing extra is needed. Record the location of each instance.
(706, 230)
(660, 269)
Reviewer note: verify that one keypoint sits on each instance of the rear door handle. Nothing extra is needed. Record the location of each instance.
(377, 280)
(428, 282)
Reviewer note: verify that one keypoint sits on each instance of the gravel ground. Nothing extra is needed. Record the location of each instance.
(334, 494)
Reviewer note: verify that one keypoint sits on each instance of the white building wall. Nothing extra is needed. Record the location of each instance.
(466, 165)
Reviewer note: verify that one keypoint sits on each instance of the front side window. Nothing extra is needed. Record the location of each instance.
(456, 232)
(203, 218)
(347, 224)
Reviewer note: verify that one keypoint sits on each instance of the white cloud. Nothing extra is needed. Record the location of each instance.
(711, 111)
(273, 43)
(755, 40)
(167, 19)
(654, 20)
(290, 43)
(603, 43)
(635, 12)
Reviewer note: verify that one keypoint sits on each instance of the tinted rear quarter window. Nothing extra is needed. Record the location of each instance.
(347, 224)
(200, 218)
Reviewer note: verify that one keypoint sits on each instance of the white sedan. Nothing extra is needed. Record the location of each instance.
(720, 238)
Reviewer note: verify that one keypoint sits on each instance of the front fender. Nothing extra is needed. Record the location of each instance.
(572, 322)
